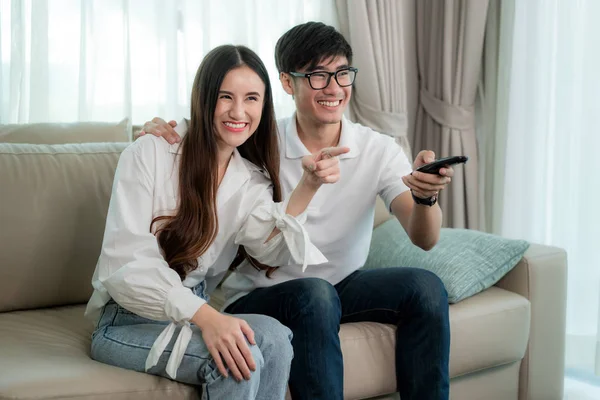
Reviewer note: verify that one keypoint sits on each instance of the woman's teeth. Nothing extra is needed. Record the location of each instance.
(235, 126)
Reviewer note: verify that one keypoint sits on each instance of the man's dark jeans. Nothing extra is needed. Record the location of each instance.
(413, 299)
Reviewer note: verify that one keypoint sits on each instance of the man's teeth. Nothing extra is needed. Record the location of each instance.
(330, 103)
(235, 126)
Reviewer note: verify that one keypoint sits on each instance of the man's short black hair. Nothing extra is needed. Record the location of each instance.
(307, 45)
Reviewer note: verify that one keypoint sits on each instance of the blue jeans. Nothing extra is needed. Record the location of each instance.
(123, 339)
(413, 299)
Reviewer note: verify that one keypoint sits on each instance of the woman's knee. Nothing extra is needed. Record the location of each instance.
(271, 337)
(258, 356)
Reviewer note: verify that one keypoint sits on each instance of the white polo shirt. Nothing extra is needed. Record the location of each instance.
(340, 216)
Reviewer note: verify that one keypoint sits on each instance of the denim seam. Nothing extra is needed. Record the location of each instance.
(146, 347)
(112, 323)
(100, 321)
(101, 315)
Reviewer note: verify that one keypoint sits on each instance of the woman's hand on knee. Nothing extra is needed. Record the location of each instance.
(227, 340)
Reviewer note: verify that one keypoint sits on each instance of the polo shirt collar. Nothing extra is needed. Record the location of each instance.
(294, 148)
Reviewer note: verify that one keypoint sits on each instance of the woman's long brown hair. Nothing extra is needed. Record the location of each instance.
(188, 234)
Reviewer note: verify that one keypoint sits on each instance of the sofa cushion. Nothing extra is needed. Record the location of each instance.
(54, 204)
(45, 353)
(487, 330)
(57, 133)
(381, 213)
(467, 261)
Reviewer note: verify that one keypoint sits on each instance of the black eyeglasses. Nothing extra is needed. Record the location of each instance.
(320, 79)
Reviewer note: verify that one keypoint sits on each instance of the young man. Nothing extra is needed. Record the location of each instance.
(314, 61)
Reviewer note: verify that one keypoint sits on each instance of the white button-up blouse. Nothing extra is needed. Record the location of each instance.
(131, 268)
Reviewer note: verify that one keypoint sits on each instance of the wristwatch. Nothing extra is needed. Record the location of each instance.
(427, 202)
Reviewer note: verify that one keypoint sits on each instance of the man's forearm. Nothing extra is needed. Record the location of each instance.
(424, 225)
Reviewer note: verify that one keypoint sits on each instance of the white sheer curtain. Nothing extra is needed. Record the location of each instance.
(551, 168)
(79, 60)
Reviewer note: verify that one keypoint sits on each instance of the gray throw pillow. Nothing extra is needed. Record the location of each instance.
(466, 261)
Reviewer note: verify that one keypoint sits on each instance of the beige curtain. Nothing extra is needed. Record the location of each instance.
(450, 37)
(493, 111)
(381, 33)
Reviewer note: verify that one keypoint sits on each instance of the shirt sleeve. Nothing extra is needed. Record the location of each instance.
(131, 267)
(291, 246)
(394, 166)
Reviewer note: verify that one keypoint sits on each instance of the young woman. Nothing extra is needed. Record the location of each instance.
(176, 217)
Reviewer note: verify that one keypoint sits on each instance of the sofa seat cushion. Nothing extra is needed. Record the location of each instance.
(488, 330)
(45, 354)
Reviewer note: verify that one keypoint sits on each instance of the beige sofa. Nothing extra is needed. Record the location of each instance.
(507, 342)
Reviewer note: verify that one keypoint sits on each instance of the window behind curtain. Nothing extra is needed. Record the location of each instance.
(82, 60)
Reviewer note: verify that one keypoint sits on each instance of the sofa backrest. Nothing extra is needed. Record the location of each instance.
(58, 133)
(53, 205)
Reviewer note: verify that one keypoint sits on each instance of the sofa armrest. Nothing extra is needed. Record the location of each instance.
(541, 277)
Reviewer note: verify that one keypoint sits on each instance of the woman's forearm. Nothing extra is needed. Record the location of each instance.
(301, 197)
(299, 200)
